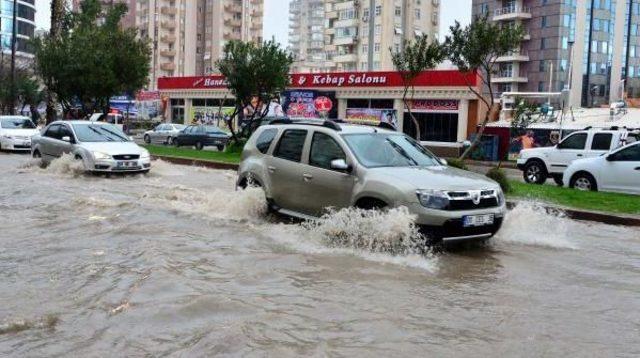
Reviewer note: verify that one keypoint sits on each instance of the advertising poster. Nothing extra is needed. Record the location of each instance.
(309, 104)
(123, 105)
(210, 115)
(372, 116)
(148, 105)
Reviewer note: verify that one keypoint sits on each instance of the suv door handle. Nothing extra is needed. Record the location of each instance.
(637, 168)
(271, 169)
(307, 177)
(579, 155)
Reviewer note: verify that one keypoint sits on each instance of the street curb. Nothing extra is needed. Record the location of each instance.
(609, 219)
(580, 215)
(479, 163)
(196, 162)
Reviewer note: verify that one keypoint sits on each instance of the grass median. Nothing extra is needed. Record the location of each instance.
(188, 153)
(575, 199)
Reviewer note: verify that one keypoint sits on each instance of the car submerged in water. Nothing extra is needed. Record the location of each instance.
(102, 147)
(306, 168)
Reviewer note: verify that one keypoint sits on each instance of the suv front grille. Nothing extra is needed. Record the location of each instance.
(126, 157)
(463, 200)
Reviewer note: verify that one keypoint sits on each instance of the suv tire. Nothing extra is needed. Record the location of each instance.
(147, 139)
(199, 145)
(535, 172)
(371, 204)
(583, 181)
(557, 178)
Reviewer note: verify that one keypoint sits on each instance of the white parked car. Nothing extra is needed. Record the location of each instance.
(102, 147)
(165, 133)
(16, 132)
(617, 171)
(538, 164)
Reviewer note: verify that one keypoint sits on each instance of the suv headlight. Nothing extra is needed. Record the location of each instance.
(100, 155)
(145, 155)
(501, 198)
(6, 136)
(433, 199)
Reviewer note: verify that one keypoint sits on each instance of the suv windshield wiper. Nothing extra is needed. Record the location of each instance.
(402, 152)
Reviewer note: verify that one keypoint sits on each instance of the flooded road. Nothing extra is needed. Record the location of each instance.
(177, 263)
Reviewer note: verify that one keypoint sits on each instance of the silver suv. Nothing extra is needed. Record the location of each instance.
(305, 168)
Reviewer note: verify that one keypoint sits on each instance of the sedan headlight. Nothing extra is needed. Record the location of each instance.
(100, 155)
(145, 155)
(433, 199)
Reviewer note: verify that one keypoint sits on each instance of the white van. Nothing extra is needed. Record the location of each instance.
(113, 118)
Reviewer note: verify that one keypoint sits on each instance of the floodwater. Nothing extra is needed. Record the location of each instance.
(177, 263)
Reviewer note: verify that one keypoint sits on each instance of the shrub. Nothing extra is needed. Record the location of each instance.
(235, 146)
(499, 176)
(457, 163)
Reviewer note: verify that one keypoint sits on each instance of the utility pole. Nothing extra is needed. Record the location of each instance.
(14, 41)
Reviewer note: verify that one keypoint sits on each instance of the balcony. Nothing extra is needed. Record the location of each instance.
(508, 77)
(167, 10)
(346, 23)
(257, 13)
(232, 22)
(514, 56)
(231, 36)
(331, 14)
(169, 25)
(168, 66)
(349, 57)
(168, 53)
(512, 13)
(168, 39)
(233, 8)
(349, 40)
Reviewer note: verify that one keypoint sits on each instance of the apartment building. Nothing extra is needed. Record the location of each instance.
(25, 19)
(188, 36)
(306, 35)
(359, 33)
(591, 47)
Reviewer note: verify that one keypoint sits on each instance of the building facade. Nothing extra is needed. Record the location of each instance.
(446, 109)
(587, 46)
(306, 35)
(188, 36)
(359, 33)
(25, 18)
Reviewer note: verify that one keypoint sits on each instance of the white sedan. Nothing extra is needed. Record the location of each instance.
(16, 132)
(617, 171)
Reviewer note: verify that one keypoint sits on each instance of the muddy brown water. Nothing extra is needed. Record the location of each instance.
(177, 263)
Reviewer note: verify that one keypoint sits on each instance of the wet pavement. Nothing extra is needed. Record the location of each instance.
(178, 263)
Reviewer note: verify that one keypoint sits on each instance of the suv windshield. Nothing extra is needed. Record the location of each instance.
(17, 123)
(99, 133)
(389, 150)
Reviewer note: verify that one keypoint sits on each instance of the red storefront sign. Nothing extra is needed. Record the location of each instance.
(434, 105)
(435, 78)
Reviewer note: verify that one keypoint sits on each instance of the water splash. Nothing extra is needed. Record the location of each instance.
(65, 165)
(529, 223)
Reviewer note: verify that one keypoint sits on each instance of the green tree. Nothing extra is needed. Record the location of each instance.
(476, 48)
(415, 57)
(92, 58)
(255, 74)
(57, 14)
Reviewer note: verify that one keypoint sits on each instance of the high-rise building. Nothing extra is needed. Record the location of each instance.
(359, 33)
(306, 35)
(25, 18)
(588, 46)
(187, 36)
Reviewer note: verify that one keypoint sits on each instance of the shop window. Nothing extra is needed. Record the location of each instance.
(199, 102)
(434, 127)
(357, 103)
(382, 103)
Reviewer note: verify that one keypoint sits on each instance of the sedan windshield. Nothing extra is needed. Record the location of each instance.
(389, 150)
(99, 133)
(16, 123)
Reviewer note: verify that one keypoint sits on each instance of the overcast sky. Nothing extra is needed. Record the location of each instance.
(276, 14)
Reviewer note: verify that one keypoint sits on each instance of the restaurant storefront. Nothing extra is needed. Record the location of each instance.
(445, 108)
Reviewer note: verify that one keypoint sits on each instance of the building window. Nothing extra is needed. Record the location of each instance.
(417, 14)
(544, 21)
(541, 86)
(543, 43)
(376, 47)
(398, 11)
(378, 10)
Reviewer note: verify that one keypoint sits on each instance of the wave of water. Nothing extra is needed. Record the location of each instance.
(529, 223)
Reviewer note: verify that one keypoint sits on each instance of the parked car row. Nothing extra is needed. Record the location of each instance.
(592, 159)
(198, 136)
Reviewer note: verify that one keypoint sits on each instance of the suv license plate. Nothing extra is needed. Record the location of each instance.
(478, 220)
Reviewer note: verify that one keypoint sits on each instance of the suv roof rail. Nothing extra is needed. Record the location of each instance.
(327, 123)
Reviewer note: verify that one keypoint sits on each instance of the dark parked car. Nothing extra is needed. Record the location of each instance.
(201, 136)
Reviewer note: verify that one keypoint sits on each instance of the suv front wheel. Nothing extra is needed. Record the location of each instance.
(534, 172)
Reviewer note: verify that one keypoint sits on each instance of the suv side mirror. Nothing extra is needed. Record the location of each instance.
(66, 139)
(340, 164)
(443, 161)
